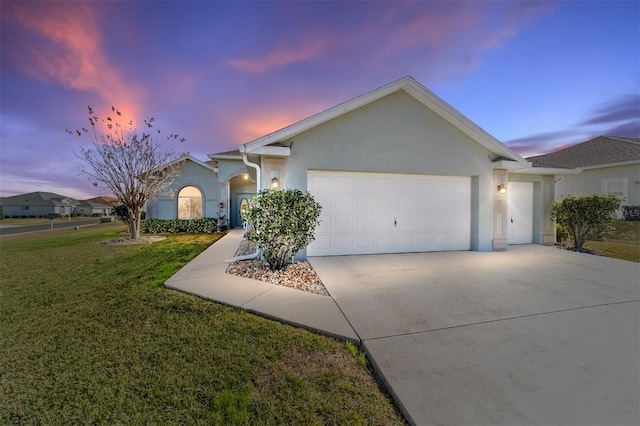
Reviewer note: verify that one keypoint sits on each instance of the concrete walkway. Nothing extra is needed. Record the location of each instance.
(206, 276)
(535, 335)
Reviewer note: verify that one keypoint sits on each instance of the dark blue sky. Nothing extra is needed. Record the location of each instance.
(536, 75)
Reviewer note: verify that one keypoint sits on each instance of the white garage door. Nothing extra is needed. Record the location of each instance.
(365, 213)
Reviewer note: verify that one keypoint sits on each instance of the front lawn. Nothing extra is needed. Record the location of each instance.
(623, 244)
(89, 337)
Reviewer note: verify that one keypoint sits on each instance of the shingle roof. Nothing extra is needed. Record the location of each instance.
(93, 204)
(110, 201)
(39, 199)
(595, 152)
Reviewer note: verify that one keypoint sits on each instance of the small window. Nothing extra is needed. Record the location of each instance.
(617, 186)
(189, 203)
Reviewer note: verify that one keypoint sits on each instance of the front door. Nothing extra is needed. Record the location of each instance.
(520, 203)
(238, 203)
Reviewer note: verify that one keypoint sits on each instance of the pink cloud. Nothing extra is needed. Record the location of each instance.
(282, 55)
(62, 44)
(439, 38)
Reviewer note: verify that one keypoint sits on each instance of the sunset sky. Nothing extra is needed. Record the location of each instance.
(536, 75)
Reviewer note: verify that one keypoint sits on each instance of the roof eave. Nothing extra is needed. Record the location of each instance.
(546, 171)
(618, 164)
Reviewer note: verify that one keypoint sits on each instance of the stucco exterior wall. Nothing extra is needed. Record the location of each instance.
(591, 181)
(165, 205)
(397, 134)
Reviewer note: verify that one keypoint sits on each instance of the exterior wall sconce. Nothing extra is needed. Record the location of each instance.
(275, 183)
(502, 188)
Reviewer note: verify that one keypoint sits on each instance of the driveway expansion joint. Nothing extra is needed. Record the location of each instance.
(498, 320)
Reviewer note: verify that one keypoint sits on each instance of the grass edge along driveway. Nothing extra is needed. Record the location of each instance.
(89, 336)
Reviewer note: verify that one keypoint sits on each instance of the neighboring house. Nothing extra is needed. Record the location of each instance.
(92, 208)
(606, 165)
(36, 204)
(109, 201)
(395, 170)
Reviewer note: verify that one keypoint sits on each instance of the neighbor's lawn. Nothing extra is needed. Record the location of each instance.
(86, 337)
(44, 221)
(623, 244)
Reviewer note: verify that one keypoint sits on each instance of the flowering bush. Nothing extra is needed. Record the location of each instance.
(281, 223)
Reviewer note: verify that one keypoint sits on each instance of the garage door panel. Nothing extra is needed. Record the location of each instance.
(343, 242)
(404, 241)
(384, 242)
(342, 201)
(322, 243)
(365, 223)
(385, 184)
(384, 223)
(365, 242)
(365, 203)
(342, 223)
(383, 213)
(405, 222)
(341, 184)
(364, 184)
(319, 182)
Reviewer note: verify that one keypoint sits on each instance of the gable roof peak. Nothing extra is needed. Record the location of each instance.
(412, 87)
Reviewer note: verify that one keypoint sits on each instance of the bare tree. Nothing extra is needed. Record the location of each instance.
(130, 163)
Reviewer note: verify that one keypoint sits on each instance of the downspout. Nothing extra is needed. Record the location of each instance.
(246, 161)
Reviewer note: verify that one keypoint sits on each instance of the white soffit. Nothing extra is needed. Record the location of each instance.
(506, 165)
(268, 150)
(546, 171)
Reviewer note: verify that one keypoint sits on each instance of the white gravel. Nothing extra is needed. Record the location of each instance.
(298, 275)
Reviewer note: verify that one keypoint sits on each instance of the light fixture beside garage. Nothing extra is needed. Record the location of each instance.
(502, 188)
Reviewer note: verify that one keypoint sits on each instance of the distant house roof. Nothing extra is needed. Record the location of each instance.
(110, 201)
(187, 157)
(93, 205)
(595, 152)
(227, 155)
(39, 199)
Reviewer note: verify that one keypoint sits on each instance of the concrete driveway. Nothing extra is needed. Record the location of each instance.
(535, 335)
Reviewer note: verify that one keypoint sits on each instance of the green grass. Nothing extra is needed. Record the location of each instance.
(44, 221)
(88, 337)
(623, 244)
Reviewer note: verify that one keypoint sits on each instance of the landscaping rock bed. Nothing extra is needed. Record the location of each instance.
(298, 275)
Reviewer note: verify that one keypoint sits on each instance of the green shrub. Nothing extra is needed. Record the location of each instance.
(586, 217)
(176, 226)
(281, 223)
(562, 233)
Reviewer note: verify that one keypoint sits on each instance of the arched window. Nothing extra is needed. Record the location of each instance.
(189, 203)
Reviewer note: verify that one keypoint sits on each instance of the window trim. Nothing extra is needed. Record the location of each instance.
(190, 198)
(625, 187)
